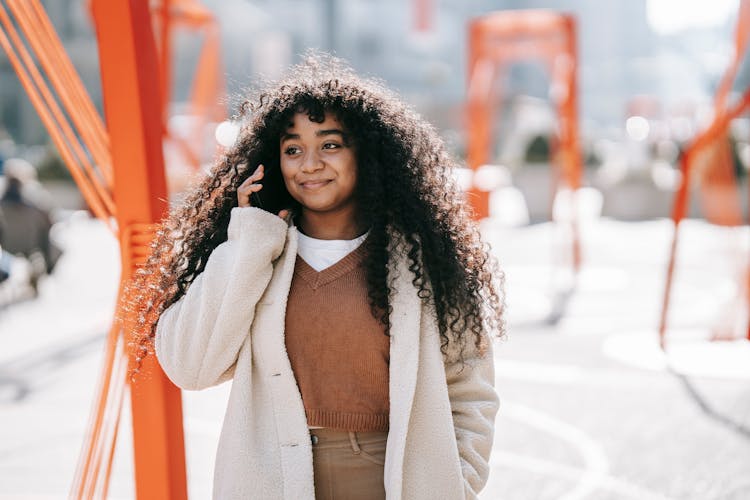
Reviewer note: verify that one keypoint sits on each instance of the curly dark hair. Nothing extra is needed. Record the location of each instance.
(405, 194)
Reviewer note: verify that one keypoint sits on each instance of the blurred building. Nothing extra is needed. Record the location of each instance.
(422, 55)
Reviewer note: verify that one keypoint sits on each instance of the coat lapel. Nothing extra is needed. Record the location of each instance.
(404, 360)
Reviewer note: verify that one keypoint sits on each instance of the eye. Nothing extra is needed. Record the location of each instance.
(292, 150)
(331, 145)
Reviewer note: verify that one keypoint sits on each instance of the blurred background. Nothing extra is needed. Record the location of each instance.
(647, 76)
(608, 393)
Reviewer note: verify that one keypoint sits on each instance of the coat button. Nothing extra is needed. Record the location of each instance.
(314, 439)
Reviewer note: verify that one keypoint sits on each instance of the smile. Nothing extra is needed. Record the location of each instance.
(315, 184)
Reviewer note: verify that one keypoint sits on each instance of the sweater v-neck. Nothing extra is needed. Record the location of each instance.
(316, 279)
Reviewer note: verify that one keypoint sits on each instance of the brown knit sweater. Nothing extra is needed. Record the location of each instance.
(338, 350)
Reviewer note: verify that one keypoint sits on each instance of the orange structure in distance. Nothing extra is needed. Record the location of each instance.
(498, 40)
(707, 160)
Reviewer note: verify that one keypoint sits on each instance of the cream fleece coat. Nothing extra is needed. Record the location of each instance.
(230, 324)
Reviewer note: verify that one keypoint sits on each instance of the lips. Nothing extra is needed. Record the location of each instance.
(315, 184)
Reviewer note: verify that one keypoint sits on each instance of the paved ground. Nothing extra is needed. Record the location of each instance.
(590, 407)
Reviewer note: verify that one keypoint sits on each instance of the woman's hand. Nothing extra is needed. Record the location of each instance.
(251, 186)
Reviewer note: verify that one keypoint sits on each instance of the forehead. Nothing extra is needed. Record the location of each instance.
(301, 120)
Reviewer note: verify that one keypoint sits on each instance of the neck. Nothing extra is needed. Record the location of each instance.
(329, 225)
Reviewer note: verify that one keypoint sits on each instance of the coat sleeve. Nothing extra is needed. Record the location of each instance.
(198, 338)
(474, 404)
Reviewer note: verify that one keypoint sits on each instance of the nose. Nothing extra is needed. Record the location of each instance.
(312, 162)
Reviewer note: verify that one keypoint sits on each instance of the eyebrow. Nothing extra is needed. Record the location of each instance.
(319, 133)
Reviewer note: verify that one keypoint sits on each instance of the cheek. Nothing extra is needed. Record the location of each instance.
(287, 173)
(351, 171)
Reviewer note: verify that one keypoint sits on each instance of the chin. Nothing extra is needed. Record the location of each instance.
(317, 204)
(315, 207)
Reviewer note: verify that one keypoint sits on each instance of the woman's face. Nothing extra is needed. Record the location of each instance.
(318, 164)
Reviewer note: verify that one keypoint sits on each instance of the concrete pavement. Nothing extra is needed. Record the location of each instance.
(591, 409)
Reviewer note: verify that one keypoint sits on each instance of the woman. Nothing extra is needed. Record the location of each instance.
(328, 266)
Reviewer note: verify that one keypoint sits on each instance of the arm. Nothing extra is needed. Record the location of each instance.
(199, 337)
(474, 403)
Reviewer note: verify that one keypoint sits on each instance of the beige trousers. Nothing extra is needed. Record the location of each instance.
(348, 465)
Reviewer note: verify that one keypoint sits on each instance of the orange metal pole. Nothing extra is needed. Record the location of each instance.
(679, 210)
(63, 125)
(678, 213)
(572, 163)
(65, 81)
(132, 99)
(509, 50)
(87, 471)
(82, 97)
(423, 13)
(572, 160)
(516, 23)
(209, 78)
(116, 405)
(165, 53)
(480, 75)
(740, 44)
(93, 196)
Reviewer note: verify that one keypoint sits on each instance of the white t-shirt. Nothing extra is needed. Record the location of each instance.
(320, 254)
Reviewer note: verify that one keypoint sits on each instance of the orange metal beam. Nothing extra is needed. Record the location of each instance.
(103, 422)
(63, 126)
(520, 23)
(53, 119)
(81, 98)
(132, 101)
(679, 210)
(501, 38)
(423, 15)
(66, 82)
(740, 47)
(724, 114)
(479, 126)
(165, 44)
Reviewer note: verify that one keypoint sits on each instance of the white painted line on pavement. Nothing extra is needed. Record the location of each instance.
(550, 373)
(562, 374)
(621, 487)
(596, 464)
(688, 352)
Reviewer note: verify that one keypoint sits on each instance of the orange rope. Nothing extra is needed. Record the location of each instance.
(99, 480)
(740, 42)
(73, 140)
(720, 123)
(98, 206)
(99, 443)
(67, 112)
(116, 426)
(208, 86)
(718, 126)
(83, 475)
(97, 453)
(91, 125)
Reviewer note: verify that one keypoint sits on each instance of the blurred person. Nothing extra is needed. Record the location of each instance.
(328, 265)
(31, 189)
(5, 265)
(5, 257)
(25, 228)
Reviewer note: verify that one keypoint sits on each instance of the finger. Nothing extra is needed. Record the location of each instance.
(243, 199)
(283, 214)
(252, 188)
(258, 174)
(243, 195)
(255, 177)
